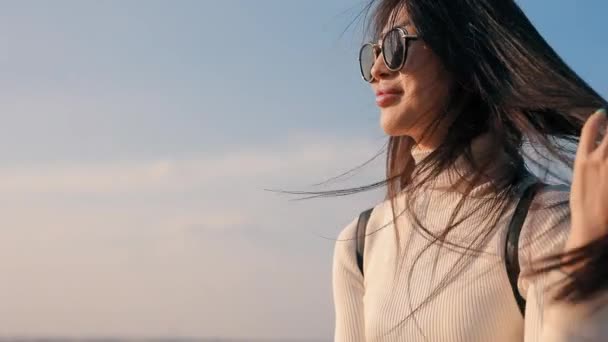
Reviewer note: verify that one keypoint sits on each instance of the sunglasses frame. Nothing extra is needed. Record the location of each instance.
(405, 36)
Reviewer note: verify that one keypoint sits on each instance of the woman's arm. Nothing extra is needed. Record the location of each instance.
(348, 289)
(568, 322)
(544, 233)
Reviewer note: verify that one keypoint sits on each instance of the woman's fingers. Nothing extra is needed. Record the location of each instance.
(602, 149)
(589, 134)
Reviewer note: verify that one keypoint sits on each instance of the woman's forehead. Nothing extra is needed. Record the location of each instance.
(398, 18)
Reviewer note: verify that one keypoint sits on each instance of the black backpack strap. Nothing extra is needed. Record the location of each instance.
(361, 227)
(511, 243)
(512, 240)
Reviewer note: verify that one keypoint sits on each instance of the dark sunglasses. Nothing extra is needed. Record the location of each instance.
(393, 48)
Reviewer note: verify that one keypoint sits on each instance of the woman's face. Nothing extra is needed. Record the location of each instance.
(410, 98)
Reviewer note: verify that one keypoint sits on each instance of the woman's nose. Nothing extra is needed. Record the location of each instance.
(379, 69)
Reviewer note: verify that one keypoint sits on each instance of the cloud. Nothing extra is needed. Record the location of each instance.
(256, 166)
(189, 246)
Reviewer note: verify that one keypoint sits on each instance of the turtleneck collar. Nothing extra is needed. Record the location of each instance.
(458, 169)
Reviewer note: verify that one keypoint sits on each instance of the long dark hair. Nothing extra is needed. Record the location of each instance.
(507, 82)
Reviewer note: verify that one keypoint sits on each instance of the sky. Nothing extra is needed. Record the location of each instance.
(136, 142)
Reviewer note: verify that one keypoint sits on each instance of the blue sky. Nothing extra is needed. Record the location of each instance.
(137, 138)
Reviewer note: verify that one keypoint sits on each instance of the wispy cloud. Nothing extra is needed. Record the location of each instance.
(112, 246)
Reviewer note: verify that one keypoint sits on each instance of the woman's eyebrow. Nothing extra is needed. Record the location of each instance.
(405, 23)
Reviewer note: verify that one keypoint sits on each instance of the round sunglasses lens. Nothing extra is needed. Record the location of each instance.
(366, 61)
(394, 50)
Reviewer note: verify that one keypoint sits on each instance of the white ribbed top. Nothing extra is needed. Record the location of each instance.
(479, 304)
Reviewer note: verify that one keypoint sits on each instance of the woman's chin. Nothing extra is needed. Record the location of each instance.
(394, 130)
(390, 123)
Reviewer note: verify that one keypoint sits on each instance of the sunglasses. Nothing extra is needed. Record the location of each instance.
(393, 48)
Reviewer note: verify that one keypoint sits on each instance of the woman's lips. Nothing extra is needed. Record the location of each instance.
(387, 99)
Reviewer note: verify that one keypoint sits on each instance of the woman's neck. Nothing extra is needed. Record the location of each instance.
(458, 176)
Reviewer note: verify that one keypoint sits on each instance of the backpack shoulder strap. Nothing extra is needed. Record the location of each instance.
(361, 228)
(511, 243)
(512, 240)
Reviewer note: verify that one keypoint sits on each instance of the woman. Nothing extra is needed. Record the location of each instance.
(461, 84)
